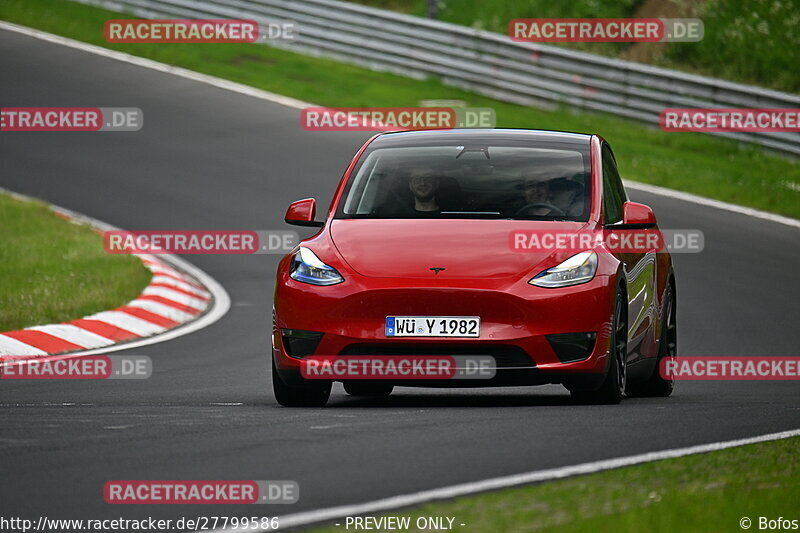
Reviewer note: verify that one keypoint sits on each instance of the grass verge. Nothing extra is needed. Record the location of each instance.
(698, 493)
(692, 162)
(52, 270)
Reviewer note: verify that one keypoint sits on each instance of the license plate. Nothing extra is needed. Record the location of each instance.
(433, 326)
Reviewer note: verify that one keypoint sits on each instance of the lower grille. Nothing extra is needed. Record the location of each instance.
(505, 356)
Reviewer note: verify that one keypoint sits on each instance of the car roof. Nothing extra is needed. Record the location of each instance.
(481, 135)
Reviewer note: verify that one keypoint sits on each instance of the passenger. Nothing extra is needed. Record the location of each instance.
(567, 195)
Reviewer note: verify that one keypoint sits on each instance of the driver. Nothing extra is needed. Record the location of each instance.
(535, 190)
(424, 184)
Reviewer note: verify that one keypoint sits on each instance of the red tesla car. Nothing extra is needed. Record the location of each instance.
(414, 258)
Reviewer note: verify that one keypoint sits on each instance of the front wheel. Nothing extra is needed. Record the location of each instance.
(613, 387)
(308, 394)
(656, 386)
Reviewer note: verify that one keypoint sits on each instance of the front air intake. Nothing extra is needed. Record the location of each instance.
(572, 347)
(300, 343)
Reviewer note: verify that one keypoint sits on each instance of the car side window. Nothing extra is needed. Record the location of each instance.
(613, 192)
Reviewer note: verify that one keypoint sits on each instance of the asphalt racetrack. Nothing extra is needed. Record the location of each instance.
(213, 159)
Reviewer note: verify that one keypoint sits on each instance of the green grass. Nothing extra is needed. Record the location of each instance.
(706, 493)
(747, 41)
(693, 162)
(52, 270)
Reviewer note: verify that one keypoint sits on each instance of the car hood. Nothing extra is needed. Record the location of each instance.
(464, 248)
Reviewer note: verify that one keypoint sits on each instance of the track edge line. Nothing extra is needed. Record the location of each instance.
(464, 489)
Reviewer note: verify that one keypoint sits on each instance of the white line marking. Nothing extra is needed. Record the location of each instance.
(177, 297)
(74, 334)
(131, 323)
(9, 346)
(298, 104)
(158, 269)
(162, 310)
(151, 262)
(537, 476)
(180, 285)
(708, 202)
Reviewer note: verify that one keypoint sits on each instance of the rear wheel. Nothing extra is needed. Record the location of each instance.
(610, 392)
(307, 394)
(656, 386)
(373, 389)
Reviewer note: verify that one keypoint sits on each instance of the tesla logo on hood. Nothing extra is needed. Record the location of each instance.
(436, 270)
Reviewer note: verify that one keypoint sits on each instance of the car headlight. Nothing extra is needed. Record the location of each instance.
(306, 267)
(578, 269)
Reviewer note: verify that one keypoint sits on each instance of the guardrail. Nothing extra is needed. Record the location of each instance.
(484, 62)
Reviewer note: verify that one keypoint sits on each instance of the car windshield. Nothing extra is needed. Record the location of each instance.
(477, 181)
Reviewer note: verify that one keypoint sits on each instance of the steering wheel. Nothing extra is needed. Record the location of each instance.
(554, 210)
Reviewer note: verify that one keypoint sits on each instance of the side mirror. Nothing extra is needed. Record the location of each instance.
(302, 213)
(636, 216)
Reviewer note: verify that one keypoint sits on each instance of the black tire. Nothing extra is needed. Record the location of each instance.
(613, 386)
(308, 394)
(372, 389)
(656, 386)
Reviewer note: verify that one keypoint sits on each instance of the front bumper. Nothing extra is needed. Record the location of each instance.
(516, 320)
